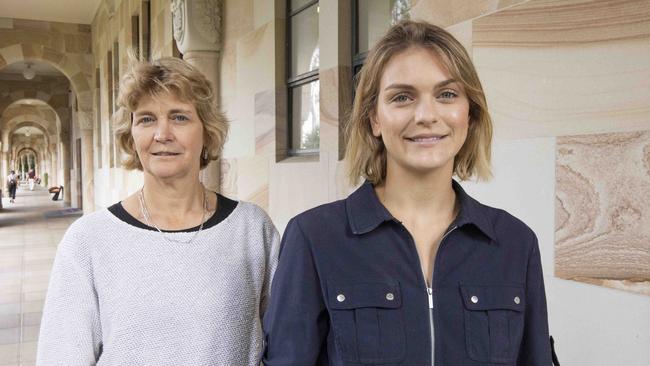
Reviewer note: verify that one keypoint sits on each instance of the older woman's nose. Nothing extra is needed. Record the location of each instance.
(163, 131)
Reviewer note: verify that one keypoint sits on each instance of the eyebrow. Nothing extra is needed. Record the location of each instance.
(186, 111)
(410, 87)
(177, 110)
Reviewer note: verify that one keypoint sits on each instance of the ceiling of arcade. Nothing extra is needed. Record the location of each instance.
(29, 107)
(53, 90)
(35, 142)
(53, 47)
(22, 115)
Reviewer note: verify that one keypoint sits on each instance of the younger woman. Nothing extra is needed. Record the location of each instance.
(409, 269)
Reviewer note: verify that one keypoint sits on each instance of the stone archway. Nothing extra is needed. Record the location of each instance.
(53, 153)
(46, 158)
(72, 69)
(77, 69)
(24, 158)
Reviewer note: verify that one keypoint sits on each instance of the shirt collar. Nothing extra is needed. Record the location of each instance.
(366, 212)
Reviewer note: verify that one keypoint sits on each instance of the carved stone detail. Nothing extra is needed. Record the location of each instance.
(209, 25)
(178, 19)
(197, 25)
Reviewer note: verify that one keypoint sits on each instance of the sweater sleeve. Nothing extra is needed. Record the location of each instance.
(70, 333)
(271, 248)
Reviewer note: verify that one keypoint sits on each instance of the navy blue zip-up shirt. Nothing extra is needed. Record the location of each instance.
(349, 290)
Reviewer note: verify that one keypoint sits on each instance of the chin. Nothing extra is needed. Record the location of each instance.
(167, 173)
(428, 167)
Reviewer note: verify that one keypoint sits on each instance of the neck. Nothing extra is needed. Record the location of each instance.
(173, 197)
(407, 195)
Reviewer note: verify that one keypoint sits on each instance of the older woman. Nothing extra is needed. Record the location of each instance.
(174, 274)
(409, 269)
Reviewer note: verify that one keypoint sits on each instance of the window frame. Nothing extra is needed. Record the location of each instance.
(297, 81)
(358, 58)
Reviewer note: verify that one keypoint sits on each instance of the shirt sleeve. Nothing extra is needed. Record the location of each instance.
(535, 347)
(70, 333)
(296, 323)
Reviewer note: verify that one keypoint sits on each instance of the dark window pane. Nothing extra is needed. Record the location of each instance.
(375, 17)
(304, 41)
(305, 124)
(297, 4)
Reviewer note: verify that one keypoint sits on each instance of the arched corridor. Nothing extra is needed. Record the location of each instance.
(30, 230)
(566, 82)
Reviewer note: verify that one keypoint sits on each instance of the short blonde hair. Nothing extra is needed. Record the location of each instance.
(366, 154)
(168, 76)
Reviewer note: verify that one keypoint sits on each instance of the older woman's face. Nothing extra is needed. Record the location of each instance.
(422, 114)
(168, 136)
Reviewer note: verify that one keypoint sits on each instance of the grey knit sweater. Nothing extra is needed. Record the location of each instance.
(123, 295)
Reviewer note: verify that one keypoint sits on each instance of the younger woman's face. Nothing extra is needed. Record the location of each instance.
(422, 113)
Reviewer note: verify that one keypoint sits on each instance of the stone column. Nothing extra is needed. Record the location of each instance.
(41, 164)
(54, 166)
(4, 158)
(65, 155)
(87, 182)
(197, 32)
(5, 168)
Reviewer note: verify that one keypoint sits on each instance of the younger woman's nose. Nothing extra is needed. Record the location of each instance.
(425, 111)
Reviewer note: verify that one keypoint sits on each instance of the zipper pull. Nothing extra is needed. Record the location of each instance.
(430, 294)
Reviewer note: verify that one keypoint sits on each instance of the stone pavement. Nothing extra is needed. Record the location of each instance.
(30, 231)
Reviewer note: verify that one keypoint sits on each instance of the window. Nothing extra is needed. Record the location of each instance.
(372, 18)
(302, 77)
(145, 30)
(135, 35)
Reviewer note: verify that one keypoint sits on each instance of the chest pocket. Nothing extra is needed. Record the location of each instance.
(367, 321)
(494, 322)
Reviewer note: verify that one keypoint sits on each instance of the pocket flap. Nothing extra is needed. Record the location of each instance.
(363, 295)
(493, 297)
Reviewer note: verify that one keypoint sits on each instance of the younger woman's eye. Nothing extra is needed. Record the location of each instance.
(448, 94)
(401, 98)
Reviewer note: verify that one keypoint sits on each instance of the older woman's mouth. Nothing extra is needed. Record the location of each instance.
(165, 153)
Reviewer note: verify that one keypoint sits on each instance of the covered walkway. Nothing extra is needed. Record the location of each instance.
(30, 230)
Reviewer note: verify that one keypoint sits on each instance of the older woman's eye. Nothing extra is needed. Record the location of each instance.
(180, 118)
(145, 120)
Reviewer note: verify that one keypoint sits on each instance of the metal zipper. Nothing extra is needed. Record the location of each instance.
(430, 294)
(431, 327)
(429, 289)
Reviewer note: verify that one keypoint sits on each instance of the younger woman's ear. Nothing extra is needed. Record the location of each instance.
(374, 125)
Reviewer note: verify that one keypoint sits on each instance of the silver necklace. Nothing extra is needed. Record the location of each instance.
(149, 222)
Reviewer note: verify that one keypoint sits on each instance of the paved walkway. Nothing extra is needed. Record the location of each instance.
(30, 230)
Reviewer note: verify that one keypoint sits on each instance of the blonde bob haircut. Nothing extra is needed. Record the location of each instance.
(366, 154)
(168, 76)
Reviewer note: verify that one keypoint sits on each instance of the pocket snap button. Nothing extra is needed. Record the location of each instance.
(474, 299)
(517, 300)
(340, 298)
(390, 296)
